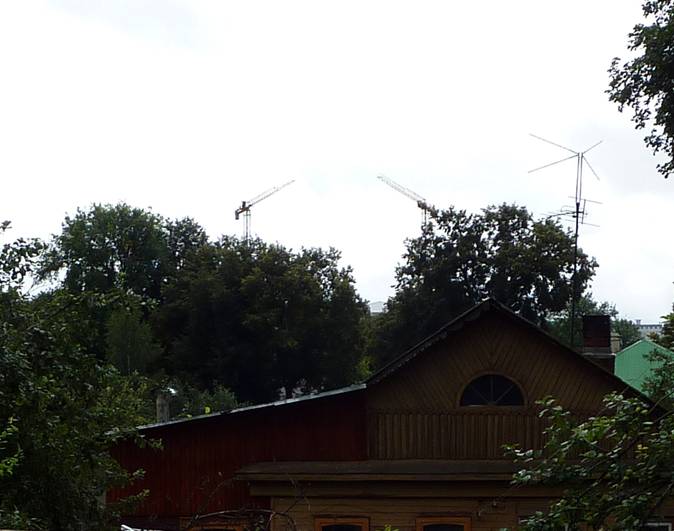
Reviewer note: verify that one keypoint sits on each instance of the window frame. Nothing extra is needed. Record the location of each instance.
(465, 521)
(491, 406)
(362, 521)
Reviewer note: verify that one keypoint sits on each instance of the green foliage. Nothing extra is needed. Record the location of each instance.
(17, 259)
(109, 247)
(8, 462)
(253, 318)
(626, 330)
(120, 247)
(61, 409)
(130, 343)
(462, 258)
(644, 82)
(616, 467)
(659, 384)
(189, 401)
(666, 337)
(256, 318)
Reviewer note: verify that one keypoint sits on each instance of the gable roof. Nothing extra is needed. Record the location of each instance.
(474, 313)
(641, 346)
(632, 363)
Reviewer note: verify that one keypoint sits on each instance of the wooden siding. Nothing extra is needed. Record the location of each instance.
(454, 434)
(193, 472)
(414, 412)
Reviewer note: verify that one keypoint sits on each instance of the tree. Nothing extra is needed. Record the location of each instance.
(627, 331)
(644, 83)
(257, 318)
(120, 247)
(666, 337)
(131, 346)
(60, 408)
(461, 258)
(109, 247)
(616, 468)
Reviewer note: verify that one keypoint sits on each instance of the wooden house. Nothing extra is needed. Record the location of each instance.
(418, 447)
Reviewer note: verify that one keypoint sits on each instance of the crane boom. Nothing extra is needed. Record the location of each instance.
(246, 206)
(421, 202)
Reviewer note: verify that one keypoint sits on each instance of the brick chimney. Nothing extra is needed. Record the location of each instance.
(597, 344)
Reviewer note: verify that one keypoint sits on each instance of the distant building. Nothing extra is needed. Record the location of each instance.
(632, 364)
(646, 329)
(377, 307)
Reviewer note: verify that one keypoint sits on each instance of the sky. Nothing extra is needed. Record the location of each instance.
(188, 108)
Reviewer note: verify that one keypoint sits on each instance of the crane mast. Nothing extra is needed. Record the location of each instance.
(247, 205)
(424, 205)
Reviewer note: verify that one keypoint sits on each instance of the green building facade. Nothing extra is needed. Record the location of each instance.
(632, 364)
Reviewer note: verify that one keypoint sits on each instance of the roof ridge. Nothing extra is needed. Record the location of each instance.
(642, 340)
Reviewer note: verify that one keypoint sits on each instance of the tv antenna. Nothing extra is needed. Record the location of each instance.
(577, 211)
(424, 205)
(246, 206)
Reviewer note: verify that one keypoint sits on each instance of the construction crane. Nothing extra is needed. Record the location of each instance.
(424, 205)
(246, 206)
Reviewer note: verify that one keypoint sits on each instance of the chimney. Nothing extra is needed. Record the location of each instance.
(163, 414)
(597, 344)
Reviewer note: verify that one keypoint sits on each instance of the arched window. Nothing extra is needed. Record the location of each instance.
(492, 390)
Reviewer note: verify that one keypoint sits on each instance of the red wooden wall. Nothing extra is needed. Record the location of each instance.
(200, 454)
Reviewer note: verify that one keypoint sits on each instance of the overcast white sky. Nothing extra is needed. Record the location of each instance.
(191, 107)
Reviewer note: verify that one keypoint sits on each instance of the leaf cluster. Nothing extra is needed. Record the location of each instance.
(61, 408)
(615, 467)
(644, 82)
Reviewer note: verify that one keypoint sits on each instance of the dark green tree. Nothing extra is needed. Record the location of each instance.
(257, 318)
(108, 247)
(644, 83)
(121, 247)
(131, 346)
(627, 331)
(61, 409)
(461, 258)
(666, 337)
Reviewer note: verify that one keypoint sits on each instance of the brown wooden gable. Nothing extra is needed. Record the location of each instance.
(413, 405)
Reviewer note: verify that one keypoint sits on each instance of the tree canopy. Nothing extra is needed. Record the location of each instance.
(61, 409)
(258, 318)
(119, 246)
(644, 82)
(248, 317)
(461, 258)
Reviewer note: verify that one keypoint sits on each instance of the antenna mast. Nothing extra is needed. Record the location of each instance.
(578, 213)
(246, 206)
(425, 207)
